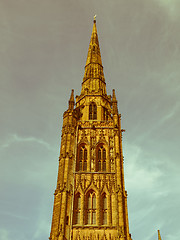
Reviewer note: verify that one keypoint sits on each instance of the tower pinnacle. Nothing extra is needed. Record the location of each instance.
(71, 100)
(114, 103)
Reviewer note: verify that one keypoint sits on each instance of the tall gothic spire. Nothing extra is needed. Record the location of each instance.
(94, 55)
(93, 81)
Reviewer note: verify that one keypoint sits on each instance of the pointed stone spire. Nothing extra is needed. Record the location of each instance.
(71, 100)
(94, 55)
(93, 80)
(159, 236)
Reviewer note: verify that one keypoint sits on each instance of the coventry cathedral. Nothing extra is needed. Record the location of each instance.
(90, 200)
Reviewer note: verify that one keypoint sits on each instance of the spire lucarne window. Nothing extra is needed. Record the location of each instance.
(90, 201)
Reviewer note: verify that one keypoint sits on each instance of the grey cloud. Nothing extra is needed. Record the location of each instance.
(15, 138)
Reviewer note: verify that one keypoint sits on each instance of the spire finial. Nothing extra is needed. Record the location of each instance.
(95, 17)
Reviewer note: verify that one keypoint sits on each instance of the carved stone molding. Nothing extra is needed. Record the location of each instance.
(98, 182)
(97, 124)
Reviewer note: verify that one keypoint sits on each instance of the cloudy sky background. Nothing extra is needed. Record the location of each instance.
(43, 49)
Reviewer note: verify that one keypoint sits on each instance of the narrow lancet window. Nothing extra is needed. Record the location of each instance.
(82, 159)
(101, 159)
(91, 209)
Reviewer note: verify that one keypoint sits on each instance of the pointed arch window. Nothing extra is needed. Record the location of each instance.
(92, 111)
(104, 209)
(77, 209)
(91, 208)
(82, 159)
(101, 158)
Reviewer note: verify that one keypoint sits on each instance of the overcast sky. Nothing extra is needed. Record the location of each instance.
(43, 49)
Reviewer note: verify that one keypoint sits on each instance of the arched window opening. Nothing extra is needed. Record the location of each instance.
(92, 111)
(104, 209)
(101, 159)
(77, 209)
(82, 159)
(91, 209)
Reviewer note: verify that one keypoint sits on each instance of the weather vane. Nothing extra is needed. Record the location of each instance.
(95, 17)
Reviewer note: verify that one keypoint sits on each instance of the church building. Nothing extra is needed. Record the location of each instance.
(90, 200)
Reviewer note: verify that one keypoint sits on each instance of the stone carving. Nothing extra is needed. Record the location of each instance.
(88, 235)
(99, 183)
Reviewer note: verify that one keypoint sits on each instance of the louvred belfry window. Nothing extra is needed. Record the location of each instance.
(82, 159)
(91, 208)
(92, 111)
(101, 158)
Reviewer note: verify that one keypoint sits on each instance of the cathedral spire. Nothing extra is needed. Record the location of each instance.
(93, 80)
(94, 55)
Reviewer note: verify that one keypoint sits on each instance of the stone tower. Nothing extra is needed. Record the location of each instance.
(90, 201)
